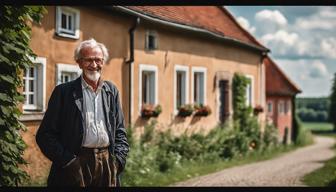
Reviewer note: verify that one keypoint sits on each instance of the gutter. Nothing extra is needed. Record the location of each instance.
(190, 28)
(130, 71)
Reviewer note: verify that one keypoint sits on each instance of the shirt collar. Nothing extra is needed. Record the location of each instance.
(85, 85)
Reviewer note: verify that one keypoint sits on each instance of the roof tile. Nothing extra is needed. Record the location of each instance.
(212, 18)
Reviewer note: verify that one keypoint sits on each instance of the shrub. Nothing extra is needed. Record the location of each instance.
(270, 136)
(304, 137)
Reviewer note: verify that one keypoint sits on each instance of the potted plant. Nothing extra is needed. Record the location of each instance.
(185, 110)
(149, 110)
(257, 109)
(202, 110)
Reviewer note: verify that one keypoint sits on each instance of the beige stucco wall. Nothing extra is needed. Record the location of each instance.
(176, 48)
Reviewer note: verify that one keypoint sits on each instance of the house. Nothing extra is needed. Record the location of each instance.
(280, 99)
(159, 55)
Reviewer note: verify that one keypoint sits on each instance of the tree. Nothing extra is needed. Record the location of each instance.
(332, 109)
(15, 32)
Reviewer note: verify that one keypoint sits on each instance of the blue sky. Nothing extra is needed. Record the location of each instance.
(302, 40)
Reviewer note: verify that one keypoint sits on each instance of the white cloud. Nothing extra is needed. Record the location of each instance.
(282, 42)
(324, 19)
(270, 21)
(328, 47)
(246, 24)
(318, 70)
(304, 72)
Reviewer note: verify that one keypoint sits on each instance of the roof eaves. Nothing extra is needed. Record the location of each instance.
(188, 27)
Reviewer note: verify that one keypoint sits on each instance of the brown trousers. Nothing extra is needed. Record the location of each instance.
(92, 167)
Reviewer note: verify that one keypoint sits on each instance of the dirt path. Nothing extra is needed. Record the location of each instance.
(286, 170)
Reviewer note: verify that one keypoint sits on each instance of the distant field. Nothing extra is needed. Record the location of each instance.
(318, 126)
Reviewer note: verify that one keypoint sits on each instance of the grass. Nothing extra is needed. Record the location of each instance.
(318, 127)
(325, 176)
(192, 169)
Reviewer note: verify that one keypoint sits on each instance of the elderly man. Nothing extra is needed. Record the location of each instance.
(83, 131)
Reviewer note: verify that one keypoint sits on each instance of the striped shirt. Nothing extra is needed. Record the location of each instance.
(95, 132)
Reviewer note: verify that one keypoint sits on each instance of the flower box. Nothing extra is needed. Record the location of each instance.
(148, 110)
(185, 110)
(202, 110)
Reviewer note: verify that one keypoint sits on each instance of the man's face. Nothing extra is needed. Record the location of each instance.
(92, 62)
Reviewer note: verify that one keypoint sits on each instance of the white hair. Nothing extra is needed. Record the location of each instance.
(92, 43)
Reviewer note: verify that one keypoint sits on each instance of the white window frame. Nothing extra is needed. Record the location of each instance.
(63, 32)
(281, 107)
(70, 68)
(41, 64)
(151, 68)
(204, 71)
(251, 77)
(186, 70)
(272, 107)
(152, 33)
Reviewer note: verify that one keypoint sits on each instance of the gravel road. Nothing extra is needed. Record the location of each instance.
(285, 170)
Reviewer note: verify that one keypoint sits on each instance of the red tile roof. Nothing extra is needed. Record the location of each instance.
(215, 19)
(277, 83)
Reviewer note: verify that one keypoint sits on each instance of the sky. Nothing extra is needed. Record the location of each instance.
(302, 40)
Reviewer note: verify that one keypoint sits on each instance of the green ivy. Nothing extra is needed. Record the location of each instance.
(241, 112)
(15, 32)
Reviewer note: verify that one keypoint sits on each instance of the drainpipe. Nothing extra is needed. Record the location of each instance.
(130, 62)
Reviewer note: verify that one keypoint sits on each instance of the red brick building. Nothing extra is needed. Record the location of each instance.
(280, 99)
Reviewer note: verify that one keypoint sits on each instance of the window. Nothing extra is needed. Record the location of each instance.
(287, 107)
(181, 86)
(281, 106)
(67, 22)
(270, 107)
(151, 40)
(249, 91)
(66, 73)
(148, 82)
(34, 85)
(199, 85)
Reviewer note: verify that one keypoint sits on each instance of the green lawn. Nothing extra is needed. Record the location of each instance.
(325, 176)
(318, 127)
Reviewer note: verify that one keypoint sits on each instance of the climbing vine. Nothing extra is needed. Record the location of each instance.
(15, 33)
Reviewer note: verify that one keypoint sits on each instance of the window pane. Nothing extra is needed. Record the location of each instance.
(151, 42)
(31, 85)
(24, 86)
(70, 22)
(201, 88)
(64, 23)
(144, 87)
(178, 89)
(152, 88)
(195, 88)
(31, 72)
(31, 99)
(24, 73)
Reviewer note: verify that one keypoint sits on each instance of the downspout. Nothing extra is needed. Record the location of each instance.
(130, 62)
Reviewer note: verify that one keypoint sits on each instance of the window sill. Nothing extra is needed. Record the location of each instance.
(31, 116)
(76, 37)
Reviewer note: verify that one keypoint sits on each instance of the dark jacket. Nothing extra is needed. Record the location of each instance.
(60, 134)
